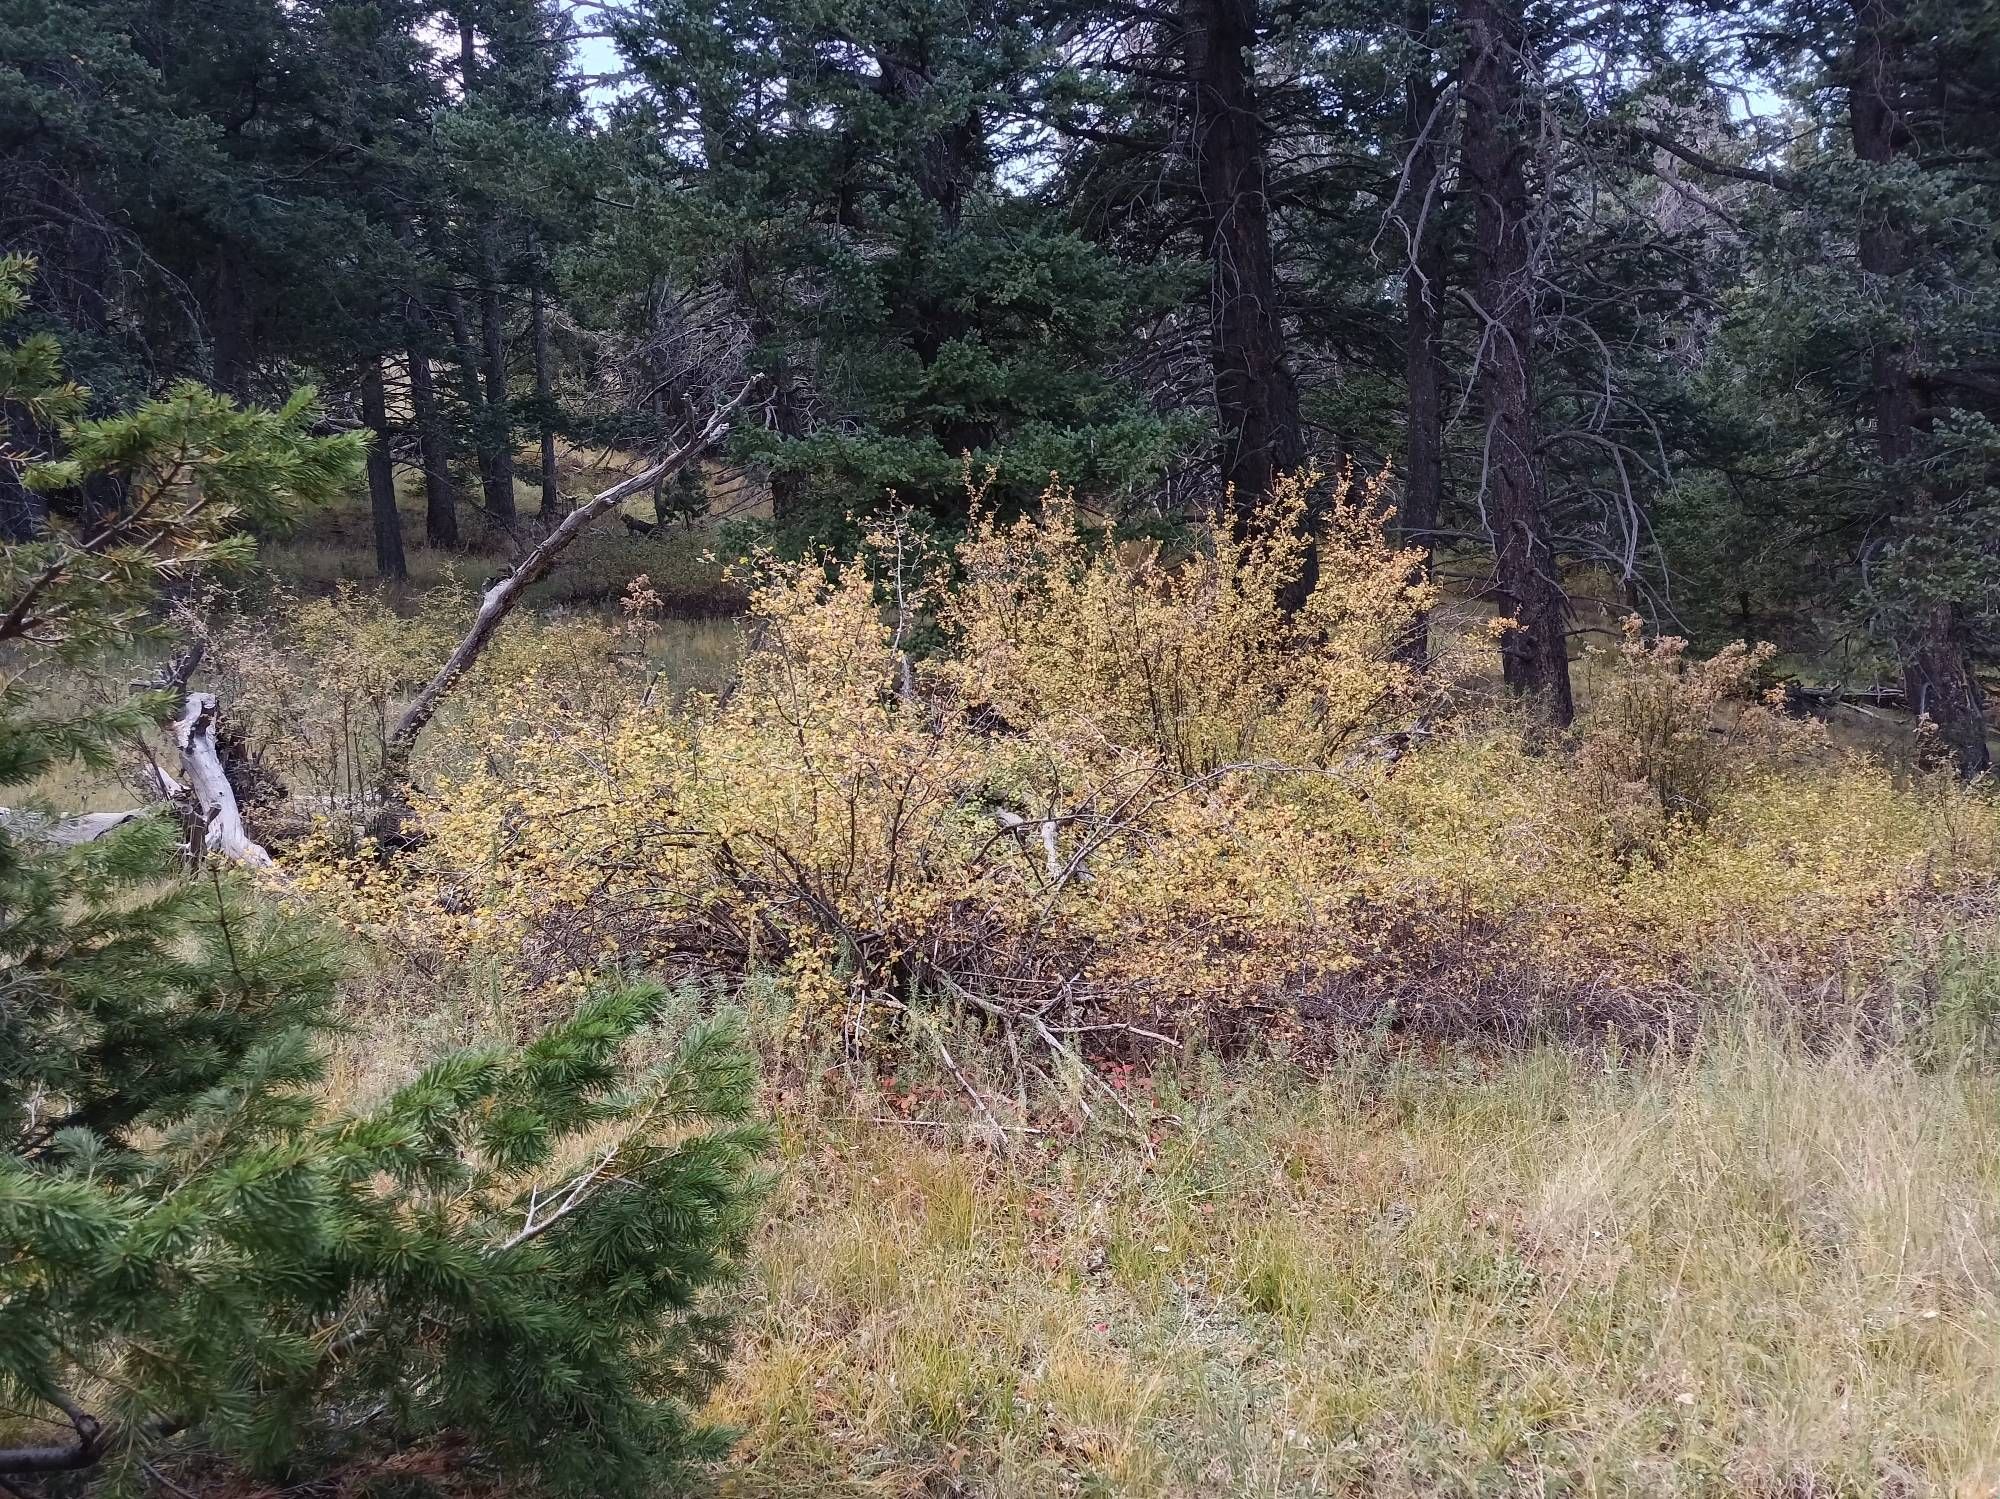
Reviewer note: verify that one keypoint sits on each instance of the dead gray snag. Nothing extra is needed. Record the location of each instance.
(222, 830)
(222, 819)
(67, 832)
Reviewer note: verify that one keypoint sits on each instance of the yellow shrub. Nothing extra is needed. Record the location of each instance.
(316, 686)
(1124, 790)
(1194, 665)
(1670, 736)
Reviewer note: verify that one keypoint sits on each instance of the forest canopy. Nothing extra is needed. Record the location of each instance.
(1681, 308)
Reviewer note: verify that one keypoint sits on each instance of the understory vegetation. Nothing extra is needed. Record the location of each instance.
(1118, 794)
(1756, 1270)
(947, 749)
(1205, 1044)
(1209, 1053)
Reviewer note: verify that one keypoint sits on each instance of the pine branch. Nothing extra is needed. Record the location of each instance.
(1776, 177)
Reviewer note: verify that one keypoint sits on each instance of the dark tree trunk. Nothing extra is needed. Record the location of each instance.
(1420, 225)
(493, 425)
(1938, 680)
(467, 359)
(389, 560)
(496, 430)
(1534, 656)
(433, 440)
(784, 413)
(948, 164)
(483, 420)
(440, 489)
(552, 505)
(948, 161)
(1256, 398)
(787, 420)
(232, 327)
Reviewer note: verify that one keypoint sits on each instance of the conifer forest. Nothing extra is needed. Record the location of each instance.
(912, 748)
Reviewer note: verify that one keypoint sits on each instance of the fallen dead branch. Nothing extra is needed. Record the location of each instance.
(218, 825)
(499, 600)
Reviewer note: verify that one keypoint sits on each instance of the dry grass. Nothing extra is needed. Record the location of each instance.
(335, 546)
(1751, 1272)
(1753, 1268)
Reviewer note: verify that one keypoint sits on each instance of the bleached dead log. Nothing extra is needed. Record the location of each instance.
(67, 832)
(222, 820)
(1044, 828)
(499, 600)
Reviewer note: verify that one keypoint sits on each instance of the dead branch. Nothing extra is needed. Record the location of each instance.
(1804, 699)
(223, 830)
(65, 832)
(499, 600)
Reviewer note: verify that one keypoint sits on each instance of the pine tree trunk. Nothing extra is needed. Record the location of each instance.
(1423, 320)
(946, 168)
(469, 392)
(788, 420)
(1534, 656)
(440, 490)
(1256, 398)
(433, 440)
(467, 358)
(1930, 636)
(785, 413)
(493, 427)
(552, 505)
(389, 561)
(496, 431)
(231, 327)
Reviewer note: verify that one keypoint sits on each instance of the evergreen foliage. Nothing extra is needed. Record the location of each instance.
(1749, 374)
(847, 179)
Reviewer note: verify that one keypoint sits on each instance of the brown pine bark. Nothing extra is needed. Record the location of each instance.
(1527, 586)
(1256, 398)
(1938, 681)
(389, 560)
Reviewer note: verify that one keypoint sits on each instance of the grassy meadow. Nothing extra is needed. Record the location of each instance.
(1744, 1271)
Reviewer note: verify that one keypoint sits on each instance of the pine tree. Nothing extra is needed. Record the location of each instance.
(855, 185)
(195, 1252)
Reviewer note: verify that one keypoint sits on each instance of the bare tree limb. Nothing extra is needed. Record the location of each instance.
(500, 599)
(1769, 176)
(60, 1457)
